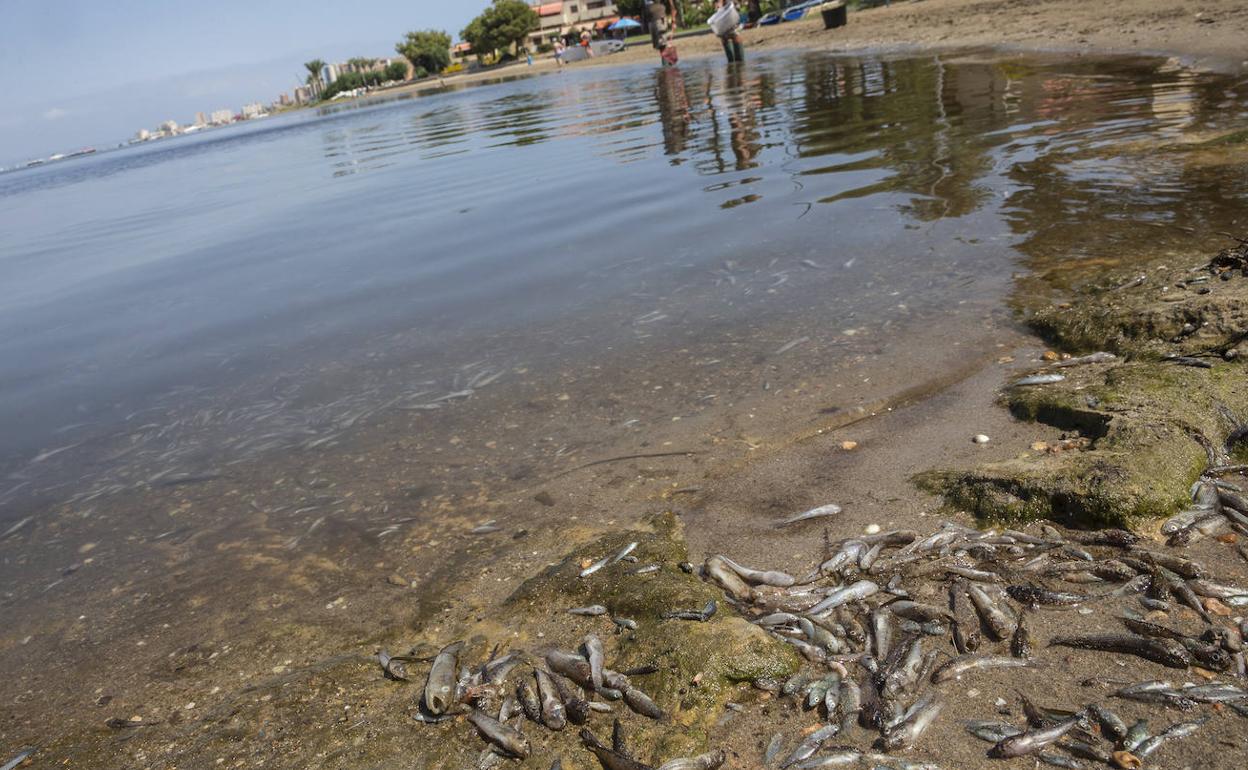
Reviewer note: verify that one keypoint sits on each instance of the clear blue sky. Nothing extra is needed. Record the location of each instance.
(92, 72)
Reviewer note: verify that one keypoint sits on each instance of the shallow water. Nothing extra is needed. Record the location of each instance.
(173, 309)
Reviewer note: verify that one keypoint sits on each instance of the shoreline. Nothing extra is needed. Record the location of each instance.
(784, 474)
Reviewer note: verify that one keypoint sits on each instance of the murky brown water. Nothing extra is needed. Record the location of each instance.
(248, 378)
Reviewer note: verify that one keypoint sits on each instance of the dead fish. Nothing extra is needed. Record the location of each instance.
(708, 761)
(1032, 740)
(1167, 652)
(392, 665)
(595, 655)
(917, 718)
(858, 591)
(831, 509)
(992, 731)
(835, 758)
(590, 611)
(440, 687)
(646, 570)
(963, 664)
(591, 569)
(610, 759)
(553, 714)
(486, 529)
(624, 624)
(17, 528)
(19, 759)
(1112, 725)
(701, 615)
(809, 745)
(528, 700)
(730, 581)
(505, 737)
(625, 551)
(920, 613)
(1092, 358)
(998, 624)
(760, 577)
(1035, 596)
(1039, 379)
(1020, 642)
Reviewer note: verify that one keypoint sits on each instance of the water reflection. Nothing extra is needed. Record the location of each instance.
(169, 298)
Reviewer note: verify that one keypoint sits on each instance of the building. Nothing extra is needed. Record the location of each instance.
(284, 100)
(329, 73)
(222, 117)
(142, 135)
(201, 120)
(170, 128)
(253, 110)
(562, 19)
(303, 95)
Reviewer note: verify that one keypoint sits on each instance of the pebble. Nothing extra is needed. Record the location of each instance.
(873, 529)
(981, 439)
(397, 580)
(849, 445)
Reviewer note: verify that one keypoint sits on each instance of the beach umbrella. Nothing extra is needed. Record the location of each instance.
(625, 23)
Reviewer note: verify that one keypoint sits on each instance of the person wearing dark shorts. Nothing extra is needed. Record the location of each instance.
(733, 48)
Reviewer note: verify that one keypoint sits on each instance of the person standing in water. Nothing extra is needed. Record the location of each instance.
(733, 48)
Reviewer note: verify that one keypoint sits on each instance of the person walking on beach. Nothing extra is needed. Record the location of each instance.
(559, 52)
(585, 40)
(731, 40)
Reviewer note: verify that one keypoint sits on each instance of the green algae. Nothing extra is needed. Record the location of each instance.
(1149, 426)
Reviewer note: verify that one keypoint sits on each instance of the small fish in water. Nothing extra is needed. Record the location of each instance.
(648, 569)
(1039, 379)
(786, 347)
(830, 509)
(591, 611)
(487, 528)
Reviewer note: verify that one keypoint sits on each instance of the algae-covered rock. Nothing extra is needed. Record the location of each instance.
(1151, 425)
(701, 665)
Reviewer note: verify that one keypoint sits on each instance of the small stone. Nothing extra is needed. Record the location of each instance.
(873, 529)
(189, 706)
(981, 439)
(1005, 360)
(1230, 538)
(544, 498)
(1051, 355)
(1156, 616)
(1039, 446)
(1217, 608)
(1204, 673)
(849, 446)
(1127, 760)
(86, 547)
(972, 693)
(397, 580)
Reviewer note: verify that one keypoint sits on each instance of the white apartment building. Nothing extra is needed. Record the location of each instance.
(559, 19)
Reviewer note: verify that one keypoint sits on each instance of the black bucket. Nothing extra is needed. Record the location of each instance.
(834, 15)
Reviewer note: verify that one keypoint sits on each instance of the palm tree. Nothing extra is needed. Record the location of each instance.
(314, 68)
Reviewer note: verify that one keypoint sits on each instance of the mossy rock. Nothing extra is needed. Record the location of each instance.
(1151, 427)
(702, 665)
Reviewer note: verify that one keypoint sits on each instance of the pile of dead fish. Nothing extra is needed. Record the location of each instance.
(880, 658)
(568, 689)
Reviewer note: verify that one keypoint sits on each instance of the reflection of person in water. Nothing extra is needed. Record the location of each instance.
(674, 113)
(660, 14)
(742, 120)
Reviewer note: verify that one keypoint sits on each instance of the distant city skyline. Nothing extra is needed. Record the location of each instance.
(91, 74)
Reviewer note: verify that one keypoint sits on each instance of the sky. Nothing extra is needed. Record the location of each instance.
(93, 72)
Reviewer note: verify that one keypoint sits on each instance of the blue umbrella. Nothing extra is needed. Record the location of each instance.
(626, 23)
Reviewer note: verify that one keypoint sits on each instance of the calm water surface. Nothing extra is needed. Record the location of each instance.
(169, 310)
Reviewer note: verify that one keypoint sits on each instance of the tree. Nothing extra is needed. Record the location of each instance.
(501, 25)
(396, 70)
(314, 68)
(429, 50)
(361, 63)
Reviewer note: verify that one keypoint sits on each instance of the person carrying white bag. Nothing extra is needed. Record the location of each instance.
(724, 23)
